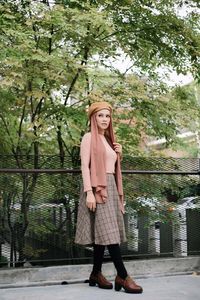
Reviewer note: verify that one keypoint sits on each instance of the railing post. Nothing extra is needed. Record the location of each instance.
(166, 240)
(193, 231)
(152, 239)
(179, 236)
(143, 234)
(132, 232)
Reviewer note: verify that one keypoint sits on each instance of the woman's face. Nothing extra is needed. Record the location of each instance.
(103, 119)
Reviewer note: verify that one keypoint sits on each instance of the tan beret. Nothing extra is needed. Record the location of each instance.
(96, 106)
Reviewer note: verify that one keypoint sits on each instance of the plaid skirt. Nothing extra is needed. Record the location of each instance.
(105, 226)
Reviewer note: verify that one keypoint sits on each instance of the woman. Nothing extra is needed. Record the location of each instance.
(100, 215)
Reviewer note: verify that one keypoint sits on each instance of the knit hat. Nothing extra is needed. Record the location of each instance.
(96, 106)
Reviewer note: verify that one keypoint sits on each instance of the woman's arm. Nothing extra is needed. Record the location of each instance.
(85, 168)
(118, 149)
(85, 161)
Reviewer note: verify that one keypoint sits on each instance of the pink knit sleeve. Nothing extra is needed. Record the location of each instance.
(85, 161)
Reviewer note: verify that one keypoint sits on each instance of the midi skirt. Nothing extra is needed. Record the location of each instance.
(105, 226)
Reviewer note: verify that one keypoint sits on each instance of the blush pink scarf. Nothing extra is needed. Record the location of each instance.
(97, 165)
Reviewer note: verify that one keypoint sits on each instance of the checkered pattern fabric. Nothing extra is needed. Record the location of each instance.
(105, 226)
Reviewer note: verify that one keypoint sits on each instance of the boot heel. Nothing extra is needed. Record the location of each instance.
(117, 287)
(92, 283)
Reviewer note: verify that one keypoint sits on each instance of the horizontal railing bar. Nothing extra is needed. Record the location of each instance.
(40, 171)
(77, 171)
(161, 172)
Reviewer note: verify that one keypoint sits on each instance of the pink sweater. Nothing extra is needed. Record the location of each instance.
(111, 158)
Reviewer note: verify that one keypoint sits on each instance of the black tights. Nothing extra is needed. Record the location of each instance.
(115, 253)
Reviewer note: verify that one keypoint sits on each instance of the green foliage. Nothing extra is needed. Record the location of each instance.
(31, 253)
(40, 219)
(52, 56)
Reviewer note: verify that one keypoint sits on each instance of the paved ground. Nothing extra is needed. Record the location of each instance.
(179, 287)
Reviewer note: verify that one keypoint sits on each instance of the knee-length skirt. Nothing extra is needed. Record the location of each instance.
(105, 226)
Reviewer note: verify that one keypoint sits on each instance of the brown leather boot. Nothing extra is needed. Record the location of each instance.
(128, 284)
(100, 280)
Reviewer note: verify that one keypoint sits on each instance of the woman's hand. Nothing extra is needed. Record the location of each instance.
(90, 201)
(118, 148)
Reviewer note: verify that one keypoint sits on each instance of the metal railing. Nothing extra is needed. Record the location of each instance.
(38, 210)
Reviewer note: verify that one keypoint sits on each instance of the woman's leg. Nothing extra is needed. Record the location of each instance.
(122, 279)
(116, 257)
(98, 258)
(96, 277)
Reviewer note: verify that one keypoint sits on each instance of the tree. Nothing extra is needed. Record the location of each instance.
(189, 117)
(47, 48)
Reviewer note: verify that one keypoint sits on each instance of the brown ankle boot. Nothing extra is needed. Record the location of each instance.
(100, 280)
(128, 284)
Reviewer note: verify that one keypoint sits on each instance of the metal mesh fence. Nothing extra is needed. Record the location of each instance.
(39, 202)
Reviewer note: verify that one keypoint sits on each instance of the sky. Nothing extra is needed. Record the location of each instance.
(169, 77)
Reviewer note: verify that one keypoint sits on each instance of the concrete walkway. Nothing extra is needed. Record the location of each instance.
(141, 268)
(161, 279)
(179, 287)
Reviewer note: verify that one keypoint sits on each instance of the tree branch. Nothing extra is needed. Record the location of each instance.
(20, 124)
(50, 39)
(83, 62)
